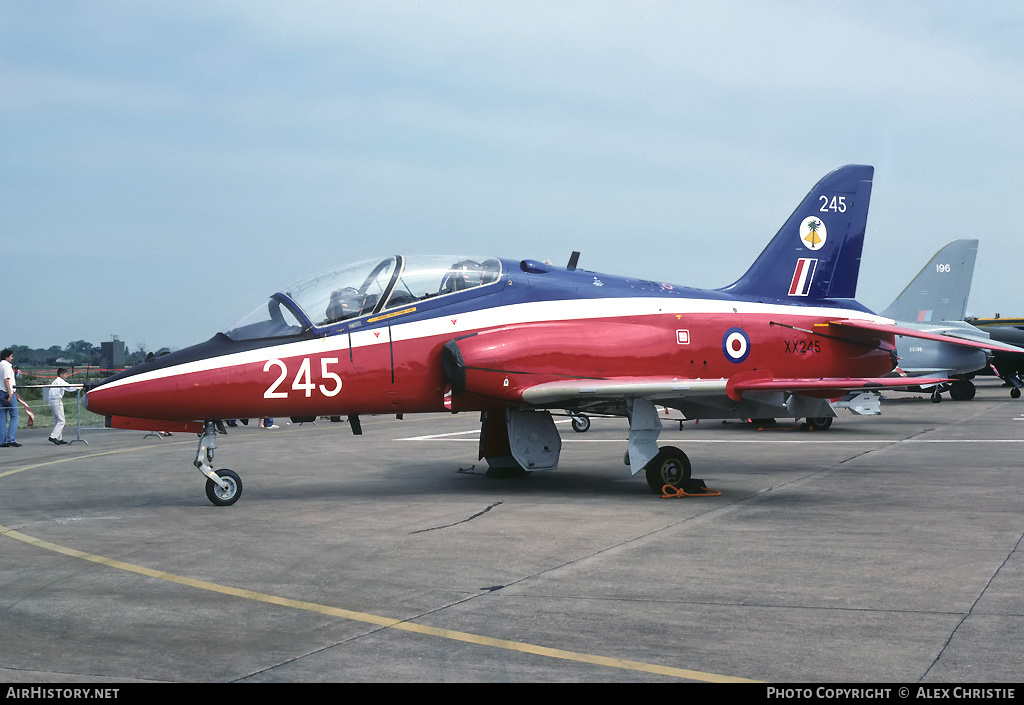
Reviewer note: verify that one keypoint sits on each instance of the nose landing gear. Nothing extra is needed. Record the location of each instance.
(223, 487)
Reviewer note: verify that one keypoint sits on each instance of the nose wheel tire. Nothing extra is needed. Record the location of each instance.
(669, 467)
(224, 497)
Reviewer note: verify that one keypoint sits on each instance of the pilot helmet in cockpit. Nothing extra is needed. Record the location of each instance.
(465, 274)
(345, 303)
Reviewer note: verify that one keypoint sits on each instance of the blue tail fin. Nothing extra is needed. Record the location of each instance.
(816, 254)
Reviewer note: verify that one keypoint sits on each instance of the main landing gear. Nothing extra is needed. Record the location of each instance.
(517, 442)
(959, 390)
(662, 466)
(223, 487)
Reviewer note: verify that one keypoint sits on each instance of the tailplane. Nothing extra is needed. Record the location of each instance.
(816, 254)
(939, 292)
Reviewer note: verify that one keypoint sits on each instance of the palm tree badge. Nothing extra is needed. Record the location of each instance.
(813, 233)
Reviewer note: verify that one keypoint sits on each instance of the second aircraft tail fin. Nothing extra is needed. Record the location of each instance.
(939, 292)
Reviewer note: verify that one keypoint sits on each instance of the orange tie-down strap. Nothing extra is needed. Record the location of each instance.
(696, 487)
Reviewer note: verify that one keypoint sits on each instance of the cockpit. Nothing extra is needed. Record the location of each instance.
(361, 289)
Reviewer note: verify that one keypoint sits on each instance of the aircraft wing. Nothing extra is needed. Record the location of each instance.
(954, 338)
(655, 389)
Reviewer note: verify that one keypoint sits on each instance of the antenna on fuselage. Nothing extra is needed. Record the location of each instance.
(573, 259)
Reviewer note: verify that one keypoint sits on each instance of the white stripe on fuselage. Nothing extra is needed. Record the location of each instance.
(458, 324)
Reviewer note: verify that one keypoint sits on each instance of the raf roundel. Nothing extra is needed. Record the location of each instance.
(736, 345)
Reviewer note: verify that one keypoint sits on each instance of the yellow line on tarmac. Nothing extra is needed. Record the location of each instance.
(377, 620)
(387, 622)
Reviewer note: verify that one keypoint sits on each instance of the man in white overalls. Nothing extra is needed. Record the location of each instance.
(60, 385)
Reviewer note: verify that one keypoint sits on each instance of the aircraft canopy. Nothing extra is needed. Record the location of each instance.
(361, 289)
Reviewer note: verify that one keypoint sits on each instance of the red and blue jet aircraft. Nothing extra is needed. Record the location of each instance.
(514, 339)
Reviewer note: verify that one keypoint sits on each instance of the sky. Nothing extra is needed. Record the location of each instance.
(166, 166)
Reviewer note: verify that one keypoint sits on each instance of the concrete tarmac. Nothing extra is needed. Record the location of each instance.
(886, 549)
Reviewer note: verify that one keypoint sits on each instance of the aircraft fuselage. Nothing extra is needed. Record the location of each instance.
(535, 323)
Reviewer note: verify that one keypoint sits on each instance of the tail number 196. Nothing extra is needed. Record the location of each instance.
(303, 379)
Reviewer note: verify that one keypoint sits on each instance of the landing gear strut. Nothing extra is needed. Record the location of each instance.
(223, 487)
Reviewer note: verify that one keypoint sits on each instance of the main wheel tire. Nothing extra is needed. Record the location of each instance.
(580, 423)
(669, 467)
(221, 497)
(962, 390)
(819, 423)
(1015, 393)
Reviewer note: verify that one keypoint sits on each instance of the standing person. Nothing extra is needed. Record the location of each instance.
(8, 400)
(56, 396)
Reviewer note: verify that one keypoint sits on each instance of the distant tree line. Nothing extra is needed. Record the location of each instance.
(76, 354)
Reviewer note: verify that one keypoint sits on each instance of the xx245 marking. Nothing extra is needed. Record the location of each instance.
(803, 346)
